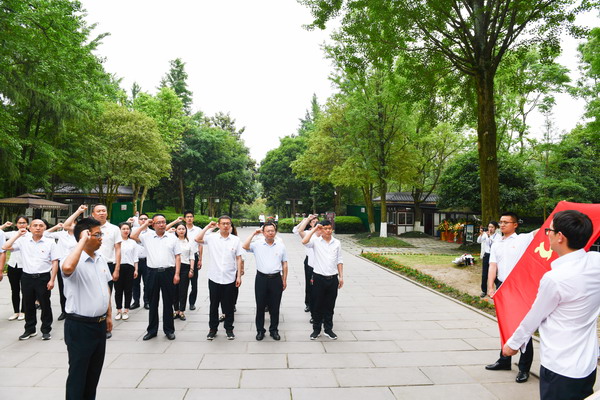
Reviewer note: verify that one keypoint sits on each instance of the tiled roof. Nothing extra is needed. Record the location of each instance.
(405, 197)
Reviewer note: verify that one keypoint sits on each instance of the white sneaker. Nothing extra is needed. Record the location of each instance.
(125, 316)
(21, 317)
(118, 316)
(13, 317)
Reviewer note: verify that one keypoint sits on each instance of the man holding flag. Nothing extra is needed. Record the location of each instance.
(504, 256)
(566, 311)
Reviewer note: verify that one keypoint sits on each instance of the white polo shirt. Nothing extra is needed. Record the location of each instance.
(86, 289)
(2, 240)
(310, 253)
(222, 256)
(161, 249)
(65, 243)
(36, 257)
(507, 252)
(111, 236)
(186, 248)
(268, 256)
(14, 261)
(129, 252)
(327, 255)
(566, 311)
(191, 235)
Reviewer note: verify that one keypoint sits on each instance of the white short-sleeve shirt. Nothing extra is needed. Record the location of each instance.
(129, 252)
(86, 289)
(36, 257)
(111, 236)
(222, 257)
(507, 252)
(327, 255)
(161, 249)
(268, 256)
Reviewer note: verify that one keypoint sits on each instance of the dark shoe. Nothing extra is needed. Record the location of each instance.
(275, 335)
(37, 306)
(234, 309)
(108, 335)
(192, 307)
(211, 335)
(175, 315)
(222, 318)
(62, 316)
(522, 377)
(330, 334)
(171, 336)
(135, 305)
(230, 335)
(260, 336)
(47, 336)
(312, 321)
(266, 308)
(147, 306)
(27, 335)
(182, 317)
(483, 294)
(315, 335)
(149, 336)
(307, 309)
(498, 366)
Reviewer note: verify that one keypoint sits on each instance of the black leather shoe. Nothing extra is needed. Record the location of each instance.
(275, 335)
(147, 306)
(522, 377)
(149, 336)
(192, 307)
(108, 335)
(498, 366)
(171, 336)
(62, 316)
(306, 309)
(260, 336)
(134, 306)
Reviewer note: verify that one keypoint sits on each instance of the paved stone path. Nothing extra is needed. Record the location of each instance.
(397, 340)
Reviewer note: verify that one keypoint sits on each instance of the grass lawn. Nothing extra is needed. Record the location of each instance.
(376, 241)
(415, 260)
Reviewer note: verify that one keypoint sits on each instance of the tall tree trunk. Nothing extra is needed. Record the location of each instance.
(337, 205)
(143, 198)
(486, 142)
(367, 191)
(383, 221)
(136, 195)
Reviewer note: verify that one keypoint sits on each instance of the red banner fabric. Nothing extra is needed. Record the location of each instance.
(514, 298)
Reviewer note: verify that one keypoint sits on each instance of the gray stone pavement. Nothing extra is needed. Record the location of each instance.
(397, 340)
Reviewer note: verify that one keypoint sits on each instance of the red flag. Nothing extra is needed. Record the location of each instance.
(517, 293)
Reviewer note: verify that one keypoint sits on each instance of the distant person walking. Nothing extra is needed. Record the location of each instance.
(487, 237)
(15, 270)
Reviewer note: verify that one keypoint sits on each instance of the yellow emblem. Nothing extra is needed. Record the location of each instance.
(543, 252)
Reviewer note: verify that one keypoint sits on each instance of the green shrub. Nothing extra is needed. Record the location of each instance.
(348, 224)
(414, 234)
(285, 225)
(199, 220)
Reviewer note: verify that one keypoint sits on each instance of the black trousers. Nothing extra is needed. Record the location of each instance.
(267, 292)
(137, 289)
(14, 278)
(86, 346)
(554, 386)
(35, 287)
(324, 294)
(225, 296)
(111, 268)
(161, 282)
(61, 290)
(525, 359)
(308, 272)
(194, 282)
(124, 286)
(181, 289)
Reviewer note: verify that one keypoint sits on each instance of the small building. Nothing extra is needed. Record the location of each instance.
(401, 214)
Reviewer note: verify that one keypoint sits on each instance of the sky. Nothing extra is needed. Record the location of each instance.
(252, 59)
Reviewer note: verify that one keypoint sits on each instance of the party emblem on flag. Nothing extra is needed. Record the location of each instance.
(543, 252)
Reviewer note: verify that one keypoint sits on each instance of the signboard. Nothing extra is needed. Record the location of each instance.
(469, 233)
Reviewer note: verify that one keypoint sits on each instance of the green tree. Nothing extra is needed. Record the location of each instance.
(473, 36)
(176, 79)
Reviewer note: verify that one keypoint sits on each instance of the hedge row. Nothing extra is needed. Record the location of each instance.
(431, 282)
(343, 224)
(199, 220)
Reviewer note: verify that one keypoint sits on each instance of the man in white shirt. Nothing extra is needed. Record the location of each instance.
(86, 276)
(164, 263)
(566, 311)
(271, 277)
(504, 256)
(192, 232)
(328, 277)
(142, 271)
(39, 258)
(224, 273)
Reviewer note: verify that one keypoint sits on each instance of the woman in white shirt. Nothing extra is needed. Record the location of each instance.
(128, 272)
(487, 238)
(185, 272)
(15, 271)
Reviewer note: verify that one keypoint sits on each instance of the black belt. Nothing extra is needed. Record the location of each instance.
(36, 275)
(162, 269)
(270, 276)
(325, 276)
(77, 317)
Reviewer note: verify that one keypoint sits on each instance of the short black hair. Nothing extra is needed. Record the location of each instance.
(159, 215)
(83, 224)
(93, 207)
(575, 226)
(22, 217)
(495, 224)
(269, 224)
(185, 213)
(144, 214)
(225, 217)
(325, 222)
(511, 214)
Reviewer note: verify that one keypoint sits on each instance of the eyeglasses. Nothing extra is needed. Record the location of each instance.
(550, 230)
(97, 235)
(506, 222)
